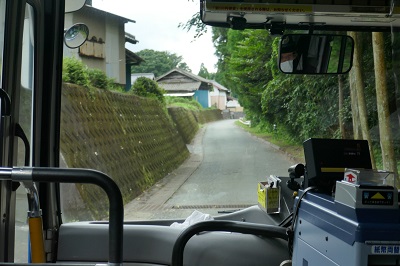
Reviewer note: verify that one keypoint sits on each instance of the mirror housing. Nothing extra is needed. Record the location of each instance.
(315, 54)
(76, 35)
(73, 5)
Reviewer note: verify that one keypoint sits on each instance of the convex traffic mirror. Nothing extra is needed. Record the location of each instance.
(76, 35)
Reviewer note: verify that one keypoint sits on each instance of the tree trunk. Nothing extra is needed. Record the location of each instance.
(385, 132)
(341, 122)
(354, 108)
(359, 82)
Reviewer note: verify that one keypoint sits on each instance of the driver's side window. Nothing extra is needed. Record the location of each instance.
(25, 121)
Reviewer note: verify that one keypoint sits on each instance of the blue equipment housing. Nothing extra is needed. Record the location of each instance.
(350, 223)
(328, 232)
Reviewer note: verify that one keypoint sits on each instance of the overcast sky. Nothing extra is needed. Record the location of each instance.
(156, 28)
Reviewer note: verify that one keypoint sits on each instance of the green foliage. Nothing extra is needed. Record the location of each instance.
(98, 78)
(203, 72)
(146, 87)
(116, 87)
(220, 39)
(302, 106)
(74, 71)
(194, 23)
(188, 103)
(246, 73)
(297, 107)
(158, 62)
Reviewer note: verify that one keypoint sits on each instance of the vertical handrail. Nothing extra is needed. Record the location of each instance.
(85, 176)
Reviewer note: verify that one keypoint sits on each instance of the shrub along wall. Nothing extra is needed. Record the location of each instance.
(131, 139)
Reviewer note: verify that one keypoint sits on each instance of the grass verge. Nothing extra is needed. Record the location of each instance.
(294, 151)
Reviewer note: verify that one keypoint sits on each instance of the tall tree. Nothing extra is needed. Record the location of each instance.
(159, 62)
(220, 41)
(194, 23)
(354, 108)
(385, 132)
(246, 72)
(341, 106)
(359, 85)
(203, 72)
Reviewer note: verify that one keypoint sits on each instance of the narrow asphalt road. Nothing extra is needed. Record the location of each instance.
(222, 173)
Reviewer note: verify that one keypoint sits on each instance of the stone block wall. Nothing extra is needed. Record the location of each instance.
(132, 139)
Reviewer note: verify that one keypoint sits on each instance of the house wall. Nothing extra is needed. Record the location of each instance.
(218, 98)
(101, 54)
(219, 101)
(222, 100)
(214, 101)
(214, 97)
(115, 61)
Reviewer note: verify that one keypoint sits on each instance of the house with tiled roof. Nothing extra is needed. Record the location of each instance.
(105, 48)
(181, 83)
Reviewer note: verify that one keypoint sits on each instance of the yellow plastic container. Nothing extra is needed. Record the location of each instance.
(269, 197)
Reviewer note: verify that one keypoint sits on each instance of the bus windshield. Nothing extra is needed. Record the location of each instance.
(174, 139)
(275, 120)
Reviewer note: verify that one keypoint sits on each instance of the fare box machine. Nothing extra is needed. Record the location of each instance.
(346, 213)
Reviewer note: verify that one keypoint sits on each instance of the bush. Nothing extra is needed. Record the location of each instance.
(112, 86)
(188, 103)
(98, 79)
(146, 87)
(74, 71)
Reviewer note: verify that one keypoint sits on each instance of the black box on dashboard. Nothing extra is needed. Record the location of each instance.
(327, 159)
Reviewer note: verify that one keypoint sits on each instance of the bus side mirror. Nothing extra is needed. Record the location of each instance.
(76, 35)
(315, 54)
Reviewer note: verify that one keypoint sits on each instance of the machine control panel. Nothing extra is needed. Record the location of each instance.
(366, 197)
